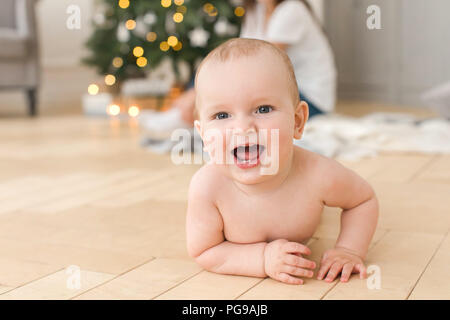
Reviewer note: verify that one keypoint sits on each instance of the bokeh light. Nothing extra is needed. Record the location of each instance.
(124, 4)
(133, 111)
(110, 79)
(141, 62)
(178, 17)
(151, 36)
(117, 62)
(130, 24)
(138, 51)
(239, 11)
(178, 46)
(164, 46)
(172, 41)
(166, 3)
(93, 89)
(213, 12)
(113, 110)
(181, 9)
(208, 7)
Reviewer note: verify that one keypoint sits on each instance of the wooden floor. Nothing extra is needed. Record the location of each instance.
(80, 193)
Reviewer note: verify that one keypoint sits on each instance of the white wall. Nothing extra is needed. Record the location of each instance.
(59, 46)
(400, 61)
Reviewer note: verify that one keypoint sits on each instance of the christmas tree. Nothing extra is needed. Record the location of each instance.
(132, 36)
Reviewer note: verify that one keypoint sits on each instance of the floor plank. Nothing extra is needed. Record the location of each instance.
(401, 257)
(367, 167)
(437, 171)
(84, 193)
(47, 190)
(435, 282)
(415, 207)
(15, 272)
(57, 286)
(401, 168)
(4, 289)
(210, 286)
(146, 281)
(60, 256)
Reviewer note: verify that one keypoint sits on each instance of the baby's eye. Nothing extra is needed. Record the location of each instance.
(221, 115)
(264, 109)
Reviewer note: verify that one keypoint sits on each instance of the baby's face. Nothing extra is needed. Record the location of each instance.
(247, 116)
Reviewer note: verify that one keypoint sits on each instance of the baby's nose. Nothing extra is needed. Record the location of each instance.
(245, 126)
(245, 134)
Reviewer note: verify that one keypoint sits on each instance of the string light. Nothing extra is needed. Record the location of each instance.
(178, 17)
(166, 3)
(208, 7)
(178, 46)
(141, 62)
(110, 79)
(93, 89)
(133, 111)
(172, 41)
(239, 11)
(117, 62)
(164, 46)
(213, 12)
(181, 9)
(138, 51)
(130, 24)
(113, 110)
(124, 4)
(151, 36)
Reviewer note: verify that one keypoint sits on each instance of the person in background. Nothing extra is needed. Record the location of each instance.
(290, 25)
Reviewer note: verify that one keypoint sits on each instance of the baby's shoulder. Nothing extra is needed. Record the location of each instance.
(205, 182)
(317, 164)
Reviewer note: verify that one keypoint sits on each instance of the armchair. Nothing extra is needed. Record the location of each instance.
(19, 64)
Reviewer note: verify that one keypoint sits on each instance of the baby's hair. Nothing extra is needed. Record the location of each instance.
(245, 47)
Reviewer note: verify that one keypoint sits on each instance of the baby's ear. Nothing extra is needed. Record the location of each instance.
(301, 116)
(198, 127)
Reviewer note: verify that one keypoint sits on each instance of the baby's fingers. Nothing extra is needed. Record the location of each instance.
(297, 261)
(334, 271)
(296, 271)
(362, 270)
(324, 267)
(347, 271)
(286, 278)
(294, 247)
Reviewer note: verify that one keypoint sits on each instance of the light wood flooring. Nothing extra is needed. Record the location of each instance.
(79, 192)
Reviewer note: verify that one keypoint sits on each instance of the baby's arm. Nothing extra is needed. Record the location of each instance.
(279, 259)
(347, 190)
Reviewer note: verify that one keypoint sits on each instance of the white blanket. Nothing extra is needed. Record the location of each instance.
(350, 138)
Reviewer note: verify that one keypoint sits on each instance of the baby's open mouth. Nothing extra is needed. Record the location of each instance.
(248, 153)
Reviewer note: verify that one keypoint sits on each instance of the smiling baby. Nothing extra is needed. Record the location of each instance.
(254, 206)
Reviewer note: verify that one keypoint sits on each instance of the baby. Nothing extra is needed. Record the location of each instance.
(253, 207)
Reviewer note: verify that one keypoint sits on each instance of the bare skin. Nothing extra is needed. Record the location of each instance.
(244, 223)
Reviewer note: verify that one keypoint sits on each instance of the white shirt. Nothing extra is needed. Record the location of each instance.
(310, 53)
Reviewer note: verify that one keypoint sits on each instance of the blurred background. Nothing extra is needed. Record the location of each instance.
(392, 65)
(396, 63)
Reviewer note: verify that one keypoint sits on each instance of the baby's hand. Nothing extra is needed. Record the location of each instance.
(283, 261)
(338, 259)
